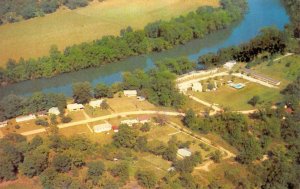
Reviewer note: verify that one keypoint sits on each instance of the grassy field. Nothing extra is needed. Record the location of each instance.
(234, 99)
(33, 38)
(286, 69)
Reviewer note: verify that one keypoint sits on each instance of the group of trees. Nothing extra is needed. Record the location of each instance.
(12, 106)
(270, 40)
(15, 10)
(155, 37)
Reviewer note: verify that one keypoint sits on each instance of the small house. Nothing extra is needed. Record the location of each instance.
(96, 103)
(229, 65)
(115, 128)
(197, 87)
(102, 128)
(130, 122)
(130, 93)
(183, 87)
(54, 111)
(3, 124)
(75, 107)
(183, 152)
(25, 118)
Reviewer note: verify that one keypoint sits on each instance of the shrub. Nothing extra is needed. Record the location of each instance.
(42, 122)
(66, 119)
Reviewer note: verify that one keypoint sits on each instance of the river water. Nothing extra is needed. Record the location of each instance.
(261, 13)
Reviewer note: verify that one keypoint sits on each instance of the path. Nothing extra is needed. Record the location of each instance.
(122, 114)
(286, 55)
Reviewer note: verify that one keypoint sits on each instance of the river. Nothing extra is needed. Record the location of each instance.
(261, 13)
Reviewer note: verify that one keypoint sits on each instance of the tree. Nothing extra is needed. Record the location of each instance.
(102, 90)
(122, 171)
(13, 106)
(145, 127)
(146, 178)
(82, 92)
(170, 153)
(47, 177)
(216, 156)
(34, 163)
(62, 163)
(95, 170)
(7, 169)
(104, 105)
(141, 144)
(254, 100)
(49, 6)
(126, 137)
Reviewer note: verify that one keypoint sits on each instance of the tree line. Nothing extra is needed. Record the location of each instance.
(156, 36)
(16, 10)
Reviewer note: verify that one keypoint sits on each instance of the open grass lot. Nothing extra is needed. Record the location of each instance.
(286, 70)
(33, 38)
(236, 99)
(125, 104)
(24, 127)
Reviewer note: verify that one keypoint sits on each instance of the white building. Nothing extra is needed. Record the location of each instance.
(102, 128)
(75, 107)
(54, 111)
(183, 87)
(25, 118)
(229, 65)
(130, 93)
(96, 103)
(183, 152)
(3, 124)
(130, 122)
(141, 98)
(197, 87)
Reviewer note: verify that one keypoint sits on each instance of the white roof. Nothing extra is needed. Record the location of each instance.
(230, 64)
(75, 106)
(96, 103)
(130, 121)
(54, 110)
(184, 152)
(197, 85)
(130, 92)
(25, 118)
(102, 127)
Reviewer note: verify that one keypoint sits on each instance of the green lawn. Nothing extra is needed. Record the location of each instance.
(286, 69)
(234, 99)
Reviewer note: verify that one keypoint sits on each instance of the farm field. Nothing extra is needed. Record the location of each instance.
(34, 37)
(236, 99)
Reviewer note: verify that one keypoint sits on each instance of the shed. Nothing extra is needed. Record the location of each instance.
(130, 93)
(75, 107)
(115, 128)
(25, 118)
(141, 98)
(54, 111)
(102, 128)
(183, 152)
(96, 103)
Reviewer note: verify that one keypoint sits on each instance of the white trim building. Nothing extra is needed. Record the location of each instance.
(102, 128)
(130, 93)
(183, 152)
(96, 103)
(54, 111)
(75, 107)
(130, 122)
(25, 118)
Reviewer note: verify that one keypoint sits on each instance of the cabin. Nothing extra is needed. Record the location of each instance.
(3, 124)
(54, 111)
(25, 118)
(130, 122)
(41, 113)
(197, 87)
(130, 93)
(75, 107)
(229, 65)
(102, 128)
(183, 152)
(96, 103)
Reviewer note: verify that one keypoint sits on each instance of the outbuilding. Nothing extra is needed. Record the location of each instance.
(183, 152)
(229, 65)
(25, 118)
(96, 103)
(197, 87)
(75, 107)
(54, 111)
(130, 122)
(102, 128)
(130, 93)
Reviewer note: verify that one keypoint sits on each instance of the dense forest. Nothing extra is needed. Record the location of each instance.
(156, 36)
(293, 8)
(16, 10)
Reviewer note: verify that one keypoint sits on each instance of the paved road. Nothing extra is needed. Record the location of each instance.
(122, 114)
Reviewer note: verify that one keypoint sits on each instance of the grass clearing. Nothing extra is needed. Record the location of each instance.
(125, 104)
(34, 37)
(237, 99)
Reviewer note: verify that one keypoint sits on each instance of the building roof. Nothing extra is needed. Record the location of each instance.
(54, 110)
(102, 127)
(75, 106)
(25, 118)
(262, 77)
(183, 152)
(96, 103)
(130, 92)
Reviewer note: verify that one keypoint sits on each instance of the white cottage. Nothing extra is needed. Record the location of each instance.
(54, 111)
(183, 152)
(197, 87)
(130, 93)
(25, 118)
(229, 65)
(75, 107)
(102, 128)
(96, 103)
